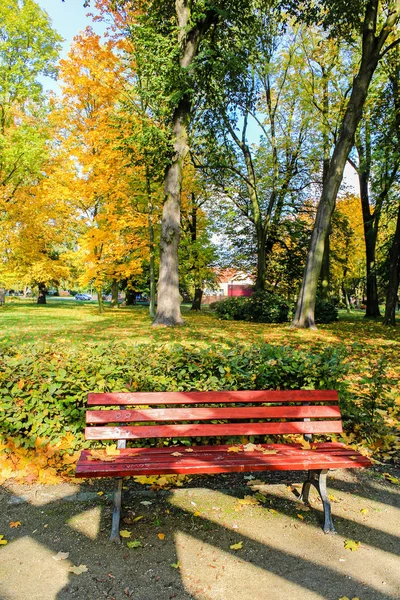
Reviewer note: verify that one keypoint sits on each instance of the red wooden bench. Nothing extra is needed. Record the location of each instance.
(216, 415)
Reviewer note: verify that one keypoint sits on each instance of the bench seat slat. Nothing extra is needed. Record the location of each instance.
(206, 414)
(210, 429)
(154, 461)
(239, 396)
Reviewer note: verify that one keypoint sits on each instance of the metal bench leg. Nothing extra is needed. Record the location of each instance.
(114, 537)
(318, 480)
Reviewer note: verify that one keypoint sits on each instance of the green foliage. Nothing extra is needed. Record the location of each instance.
(325, 311)
(44, 391)
(261, 307)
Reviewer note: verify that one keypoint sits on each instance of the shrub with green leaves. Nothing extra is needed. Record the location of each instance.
(325, 311)
(43, 392)
(261, 307)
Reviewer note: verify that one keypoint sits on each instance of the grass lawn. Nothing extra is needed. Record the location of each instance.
(68, 322)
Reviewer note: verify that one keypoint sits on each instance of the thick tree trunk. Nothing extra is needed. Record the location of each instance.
(130, 297)
(42, 293)
(198, 295)
(168, 297)
(371, 48)
(114, 293)
(394, 277)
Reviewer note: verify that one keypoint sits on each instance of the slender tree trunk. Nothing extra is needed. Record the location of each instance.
(99, 293)
(325, 268)
(394, 277)
(42, 293)
(114, 293)
(169, 300)
(198, 295)
(371, 48)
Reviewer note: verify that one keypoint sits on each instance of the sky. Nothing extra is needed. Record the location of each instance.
(68, 19)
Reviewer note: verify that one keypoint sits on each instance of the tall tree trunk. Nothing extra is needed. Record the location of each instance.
(114, 293)
(394, 277)
(42, 293)
(99, 293)
(371, 48)
(169, 300)
(198, 295)
(325, 268)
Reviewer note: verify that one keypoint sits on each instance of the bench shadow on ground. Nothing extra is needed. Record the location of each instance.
(112, 568)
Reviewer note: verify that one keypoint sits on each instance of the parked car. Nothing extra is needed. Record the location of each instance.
(83, 297)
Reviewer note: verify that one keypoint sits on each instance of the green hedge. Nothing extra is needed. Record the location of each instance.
(43, 392)
(261, 307)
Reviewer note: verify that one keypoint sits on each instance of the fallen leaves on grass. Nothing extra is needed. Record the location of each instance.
(134, 544)
(176, 565)
(161, 536)
(391, 478)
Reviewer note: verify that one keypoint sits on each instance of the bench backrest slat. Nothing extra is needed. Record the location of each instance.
(211, 430)
(240, 397)
(209, 414)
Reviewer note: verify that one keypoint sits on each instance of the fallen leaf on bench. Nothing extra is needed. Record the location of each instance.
(124, 533)
(189, 450)
(112, 450)
(235, 449)
(134, 544)
(161, 536)
(100, 455)
(3, 542)
(176, 453)
(78, 570)
(176, 565)
(351, 545)
(61, 556)
(237, 546)
(269, 451)
(251, 447)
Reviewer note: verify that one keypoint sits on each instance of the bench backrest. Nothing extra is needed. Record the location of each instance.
(212, 414)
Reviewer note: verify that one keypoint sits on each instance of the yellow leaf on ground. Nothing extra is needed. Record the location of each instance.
(300, 517)
(237, 546)
(3, 542)
(364, 511)
(137, 518)
(391, 478)
(235, 449)
(248, 500)
(161, 536)
(273, 511)
(15, 524)
(134, 544)
(78, 570)
(196, 513)
(351, 545)
(124, 533)
(176, 565)
(61, 556)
